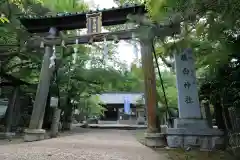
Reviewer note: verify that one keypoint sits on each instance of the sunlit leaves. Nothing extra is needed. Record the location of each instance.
(127, 2)
(4, 19)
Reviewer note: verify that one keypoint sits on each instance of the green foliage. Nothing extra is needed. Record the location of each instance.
(169, 81)
(91, 106)
(3, 19)
(126, 2)
(66, 5)
(211, 28)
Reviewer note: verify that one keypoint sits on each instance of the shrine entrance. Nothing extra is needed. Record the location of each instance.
(93, 21)
(111, 114)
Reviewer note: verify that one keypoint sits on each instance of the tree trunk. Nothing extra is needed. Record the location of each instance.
(11, 105)
(55, 122)
(67, 116)
(207, 114)
(67, 121)
(218, 115)
(48, 114)
(26, 111)
(225, 114)
(17, 113)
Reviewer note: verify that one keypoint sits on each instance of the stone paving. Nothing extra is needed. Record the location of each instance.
(93, 144)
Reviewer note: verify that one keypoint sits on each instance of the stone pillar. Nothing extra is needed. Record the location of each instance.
(35, 131)
(189, 129)
(152, 137)
(188, 100)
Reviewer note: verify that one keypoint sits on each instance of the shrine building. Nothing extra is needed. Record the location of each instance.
(123, 107)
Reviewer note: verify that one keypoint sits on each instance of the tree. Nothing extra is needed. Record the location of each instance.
(212, 30)
(65, 6)
(91, 106)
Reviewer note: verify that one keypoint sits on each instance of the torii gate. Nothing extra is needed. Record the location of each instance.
(105, 17)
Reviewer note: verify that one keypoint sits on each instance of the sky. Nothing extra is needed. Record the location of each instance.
(125, 50)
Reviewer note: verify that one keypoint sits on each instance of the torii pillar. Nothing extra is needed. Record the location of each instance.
(153, 137)
(35, 131)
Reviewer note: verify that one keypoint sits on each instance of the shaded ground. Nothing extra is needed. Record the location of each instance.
(178, 154)
(82, 144)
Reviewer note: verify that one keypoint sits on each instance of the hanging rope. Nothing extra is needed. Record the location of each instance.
(161, 80)
(53, 57)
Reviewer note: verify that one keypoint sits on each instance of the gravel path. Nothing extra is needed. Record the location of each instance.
(94, 144)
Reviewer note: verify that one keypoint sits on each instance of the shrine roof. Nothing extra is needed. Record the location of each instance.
(70, 21)
(118, 98)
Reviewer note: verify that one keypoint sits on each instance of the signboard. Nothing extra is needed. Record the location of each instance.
(3, 107)
(127, 109)
(188, 99)
(94, 23)
(54, 102)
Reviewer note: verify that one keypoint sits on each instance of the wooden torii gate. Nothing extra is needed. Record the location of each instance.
(92, 20)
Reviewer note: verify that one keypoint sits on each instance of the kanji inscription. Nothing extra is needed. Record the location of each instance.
(185, 71)
(188, 100)
(94, 23)
(184, 57)
(187, 85)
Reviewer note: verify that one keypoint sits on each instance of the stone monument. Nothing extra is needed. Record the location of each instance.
(190, 129)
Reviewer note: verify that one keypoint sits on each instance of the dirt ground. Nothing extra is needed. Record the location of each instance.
(81, 144)
(178, 154)
(98, 144)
